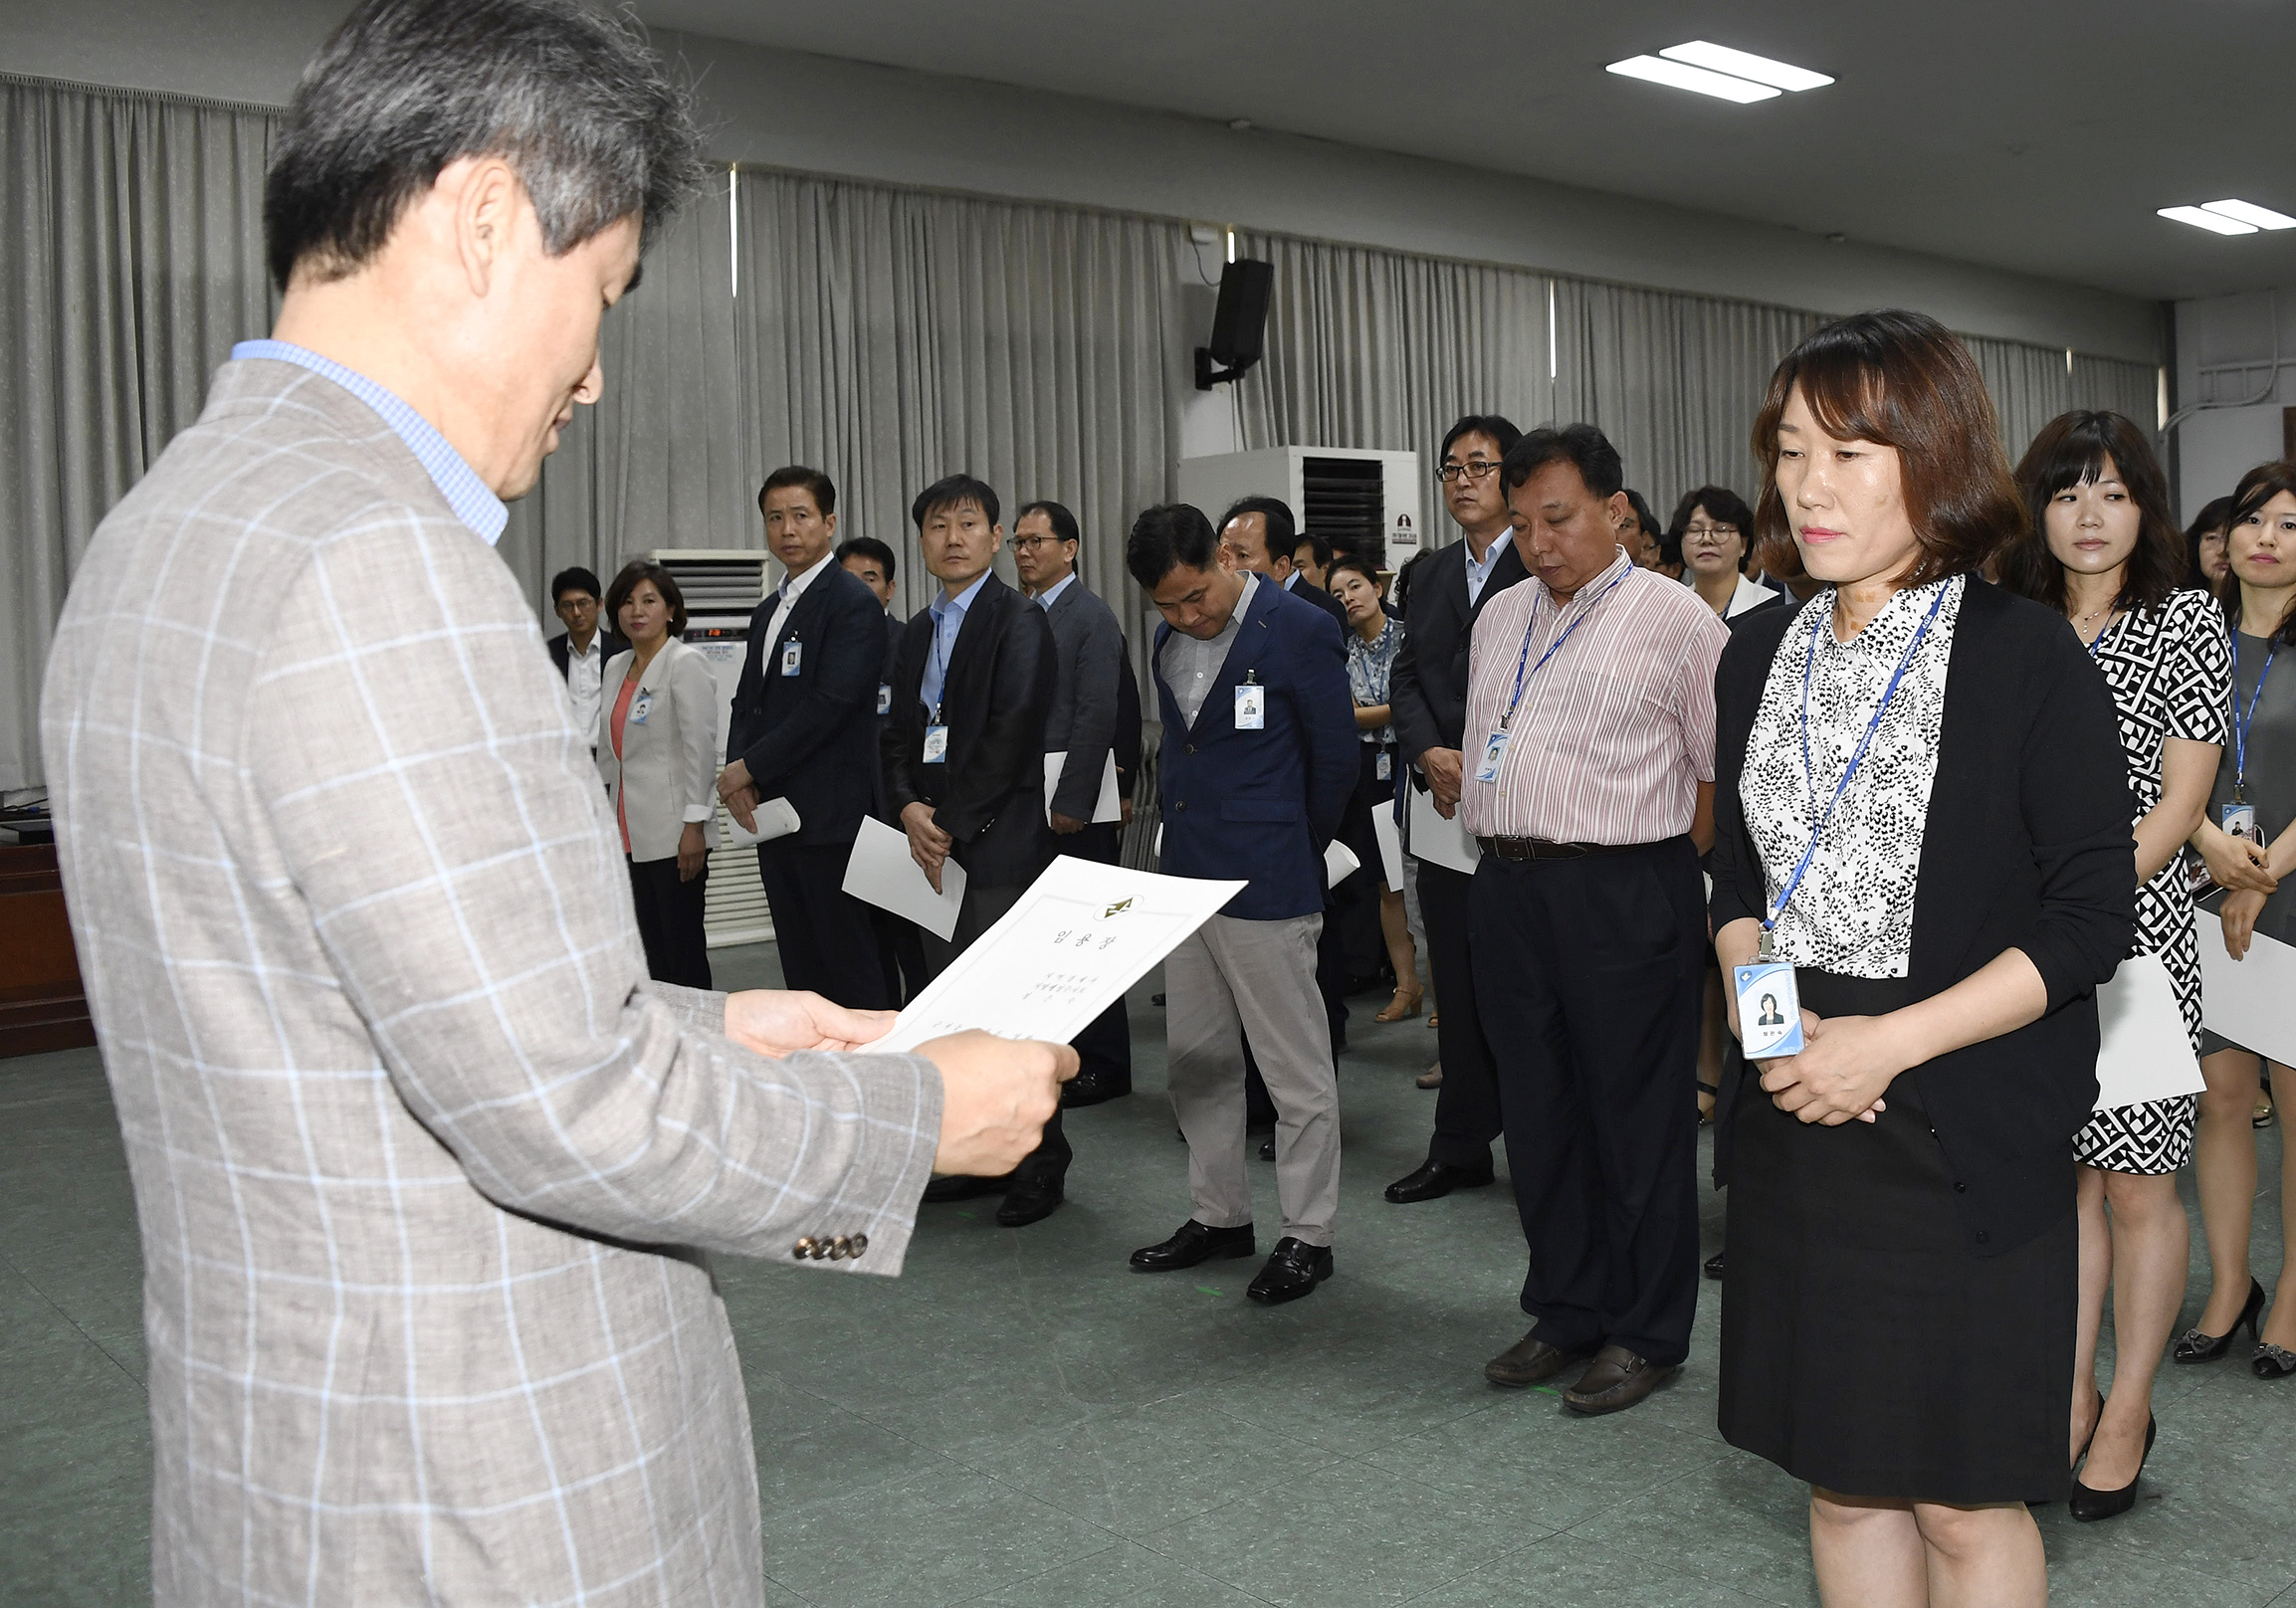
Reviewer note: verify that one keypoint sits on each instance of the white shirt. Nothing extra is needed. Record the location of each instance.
(583, 672)
(792, 590)
(1051, 594)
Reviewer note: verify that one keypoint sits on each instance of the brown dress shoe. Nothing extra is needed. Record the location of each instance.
(1617, 1380)
(1528, 1361)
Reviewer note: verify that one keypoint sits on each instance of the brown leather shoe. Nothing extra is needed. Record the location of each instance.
(1528, 1361)
(1617, 1380)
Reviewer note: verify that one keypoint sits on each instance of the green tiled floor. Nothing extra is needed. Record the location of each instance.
(1022, 1421)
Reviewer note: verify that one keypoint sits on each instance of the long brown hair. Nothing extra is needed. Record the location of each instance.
(2074, 449)
(1902, 380)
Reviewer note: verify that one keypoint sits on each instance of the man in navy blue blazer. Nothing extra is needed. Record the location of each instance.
(804, 728)
(1258, 760)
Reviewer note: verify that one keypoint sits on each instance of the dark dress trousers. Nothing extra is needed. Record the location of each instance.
(1428, 691)
(809, 738)
(1087, 704)
(988, 793)
(1899, 1315)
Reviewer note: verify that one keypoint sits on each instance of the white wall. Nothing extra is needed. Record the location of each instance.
(836, 116)
(2225, 349)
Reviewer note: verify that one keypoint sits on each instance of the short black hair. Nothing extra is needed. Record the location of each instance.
(645, 570)
(570, 98)
(1062, 523)
(869, 548)
(1642, 514)
(2257, 488)
(1282, 530)
(1404, 576)
(574, 579)
(1724, 506)
(954, 491)
(1317, 546)
(1362, 566)
(812, 482)
(1498, 427)
(1169, 536)
(2072, 450)
(2214, 516)
(1581, 446)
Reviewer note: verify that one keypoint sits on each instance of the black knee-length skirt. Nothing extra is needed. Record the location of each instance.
(1864, 1349)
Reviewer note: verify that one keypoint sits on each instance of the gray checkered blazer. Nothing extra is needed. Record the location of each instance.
(425, 1167)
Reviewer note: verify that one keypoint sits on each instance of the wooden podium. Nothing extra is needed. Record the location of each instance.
(42, 1003)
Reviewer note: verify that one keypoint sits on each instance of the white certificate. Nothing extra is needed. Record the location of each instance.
(1105, 808)
(1339, 862)
(775, 818)
(884, 872)
(1080, 937)
(1441, 842)
(2248, 1000)
(2147, 1054)
(1391, 838)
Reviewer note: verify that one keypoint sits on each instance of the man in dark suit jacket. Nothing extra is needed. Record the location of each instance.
(1258, 761)
(899, 943)
(1429, 693)
(1089, 643)
(581, 649)
(964, 761)
(800, 731)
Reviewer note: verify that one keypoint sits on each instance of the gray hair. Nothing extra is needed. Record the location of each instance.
(578, 102)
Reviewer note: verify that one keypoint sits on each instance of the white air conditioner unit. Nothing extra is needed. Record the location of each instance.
(1369, 501)
(721, 587)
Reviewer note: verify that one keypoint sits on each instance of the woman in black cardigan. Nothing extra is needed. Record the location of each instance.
(1898, 1323)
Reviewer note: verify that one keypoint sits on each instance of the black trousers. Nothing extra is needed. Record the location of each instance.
(1105, 1046)
(1467, 1104)
(825, 937)
(1589, 973)
(981, 909)
(669, 921)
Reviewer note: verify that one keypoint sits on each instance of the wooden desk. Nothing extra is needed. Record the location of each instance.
(42, 1003)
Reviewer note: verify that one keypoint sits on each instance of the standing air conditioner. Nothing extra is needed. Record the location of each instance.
(721, 587)
(1369, 501)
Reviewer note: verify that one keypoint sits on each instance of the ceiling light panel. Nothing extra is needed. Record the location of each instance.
(1682, 76)
(2250, 213)
(1744, 64)
(2213, 221)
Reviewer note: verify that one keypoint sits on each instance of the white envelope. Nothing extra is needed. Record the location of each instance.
(1339, 862)
(1441, 842)
(1391, 838)
(883, 873)
(1105, 808)
(2146, 1055)
(775, 818)
(2246, 1000)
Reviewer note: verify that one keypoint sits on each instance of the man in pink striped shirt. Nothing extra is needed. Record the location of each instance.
(1591, 786)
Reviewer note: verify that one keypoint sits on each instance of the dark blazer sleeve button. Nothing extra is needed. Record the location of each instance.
(1960, 1188)
(860, 1244)
(802, 1249)
(1983, 1235)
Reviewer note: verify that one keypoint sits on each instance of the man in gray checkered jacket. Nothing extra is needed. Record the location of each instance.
(425, 1167)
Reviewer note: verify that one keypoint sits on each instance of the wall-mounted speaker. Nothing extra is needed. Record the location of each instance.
(1239, 323)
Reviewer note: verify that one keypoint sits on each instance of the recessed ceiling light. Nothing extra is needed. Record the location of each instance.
(2215, 221)
(1745, 65)
(1682, 76)
(2249, 212)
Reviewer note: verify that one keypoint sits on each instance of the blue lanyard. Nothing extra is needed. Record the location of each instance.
(1521, 679)
(1808, 674)
(2097, 642)
(939, 663)
(2240, 720)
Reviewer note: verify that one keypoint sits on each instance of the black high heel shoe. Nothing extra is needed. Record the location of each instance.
(2088, 1506)
(2272, 1361)
(2195, 1346)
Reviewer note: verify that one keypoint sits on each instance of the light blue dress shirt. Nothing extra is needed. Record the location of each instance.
(1051, 594)
(1478, 570)
(948, 620)
(474, 503)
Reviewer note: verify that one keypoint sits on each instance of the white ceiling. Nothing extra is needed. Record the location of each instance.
(2036, 135)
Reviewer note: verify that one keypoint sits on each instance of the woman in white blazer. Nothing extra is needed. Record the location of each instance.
(658, 751)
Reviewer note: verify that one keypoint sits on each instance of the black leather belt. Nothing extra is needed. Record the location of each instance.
(1541, 848)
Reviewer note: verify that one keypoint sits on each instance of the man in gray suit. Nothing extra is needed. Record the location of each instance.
(1091, 663)
(426, 1169)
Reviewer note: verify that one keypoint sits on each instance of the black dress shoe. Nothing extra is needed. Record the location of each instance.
(959, 1186)
(1713, 1265)
(1617, 1380)
(1030, 1201)
(1434, 1179)
(2272, 1361)
(1293, 1270)
(2089, 1505)
(2194, 1346)
(1091, 1087)
(1528, 1361)
(1195, 1243)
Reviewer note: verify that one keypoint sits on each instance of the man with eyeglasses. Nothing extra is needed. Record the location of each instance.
(1429, 694)
(581, 649)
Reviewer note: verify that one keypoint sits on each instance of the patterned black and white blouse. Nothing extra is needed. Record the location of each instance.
(1853, 912)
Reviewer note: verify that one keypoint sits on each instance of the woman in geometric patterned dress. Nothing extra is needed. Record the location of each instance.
(2105, 551)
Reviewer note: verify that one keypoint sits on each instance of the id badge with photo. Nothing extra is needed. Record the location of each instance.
(1251, 708)
(1769, 1010)
(1385, 769)
(2239, 821)
(935, 744)
(885, 697)
(792, 655)
(1494, 751)
(641, 706)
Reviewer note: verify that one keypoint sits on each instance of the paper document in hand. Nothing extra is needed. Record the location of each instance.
(775, 818)
(1444, 843)
(1391, 838)
(1339, 862)
(1108, 807)
(884, 872)
(1082, 934)
(2248, 1000)
(2145, 1052)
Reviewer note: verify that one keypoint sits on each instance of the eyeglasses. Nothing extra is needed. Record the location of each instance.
(1034, 543)
(1477, 469)
(1723, 530)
